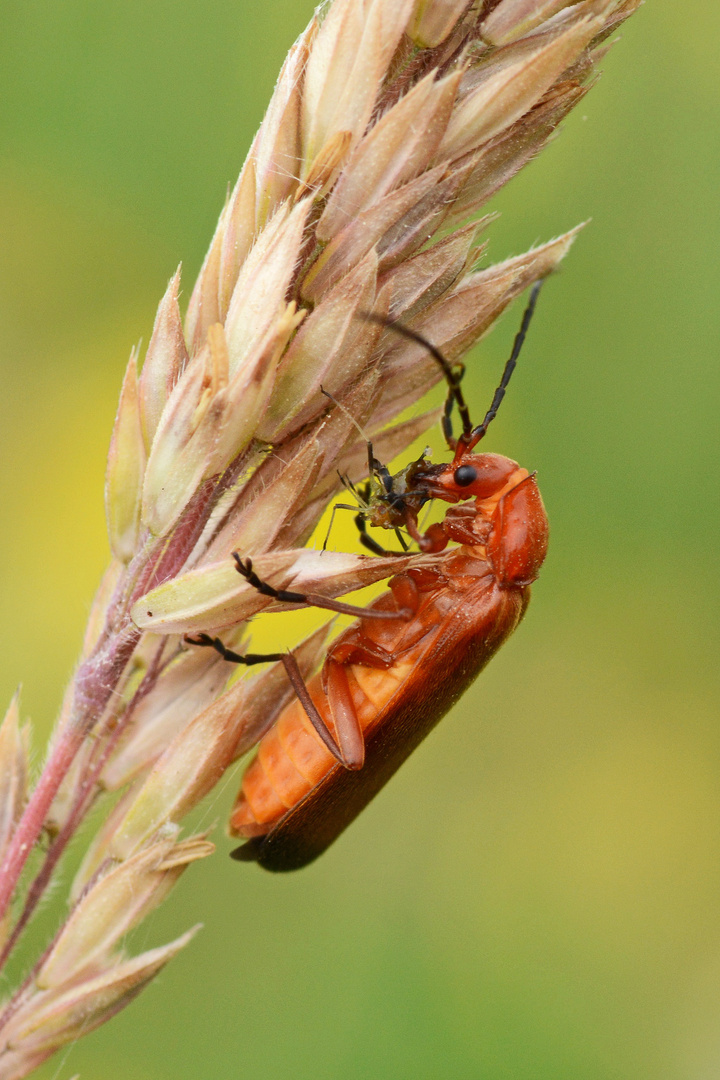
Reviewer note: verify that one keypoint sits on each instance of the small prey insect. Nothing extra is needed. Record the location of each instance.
(385, 500)
(392, 675)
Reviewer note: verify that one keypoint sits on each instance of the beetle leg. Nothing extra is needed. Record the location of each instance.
(360, 650)
(432, 541)
(342, 707)
(294, 675)
(285, 596)
(234, 658)
(357, 645)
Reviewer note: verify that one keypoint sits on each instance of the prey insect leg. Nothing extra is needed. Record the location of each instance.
(336, 507)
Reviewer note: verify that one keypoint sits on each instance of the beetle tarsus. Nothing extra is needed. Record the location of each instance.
(312, 599)
(249, 659)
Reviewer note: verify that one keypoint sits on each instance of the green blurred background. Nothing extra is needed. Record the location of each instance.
(537, 894)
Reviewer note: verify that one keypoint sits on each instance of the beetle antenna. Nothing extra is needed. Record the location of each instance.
(453, 373)
(477, 433)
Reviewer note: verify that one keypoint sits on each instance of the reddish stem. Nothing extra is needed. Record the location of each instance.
(86, 796)
(32, 821)
(96, 681)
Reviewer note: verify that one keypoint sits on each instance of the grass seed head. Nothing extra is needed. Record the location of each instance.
(391, 123)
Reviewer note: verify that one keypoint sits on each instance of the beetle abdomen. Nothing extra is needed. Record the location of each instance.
(291, 759)
(308, 829)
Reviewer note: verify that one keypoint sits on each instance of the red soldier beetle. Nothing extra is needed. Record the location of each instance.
(390, 677)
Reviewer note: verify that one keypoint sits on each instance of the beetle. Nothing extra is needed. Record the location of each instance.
(392, 675)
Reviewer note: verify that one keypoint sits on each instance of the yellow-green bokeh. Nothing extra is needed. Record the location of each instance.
(536, 896)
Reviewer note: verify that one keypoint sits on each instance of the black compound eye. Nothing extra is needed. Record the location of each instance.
(465, 475)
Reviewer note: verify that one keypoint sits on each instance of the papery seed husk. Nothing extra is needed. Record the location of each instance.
(126, 469)
(112, 906)
(165, 360)
(53, 1019)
